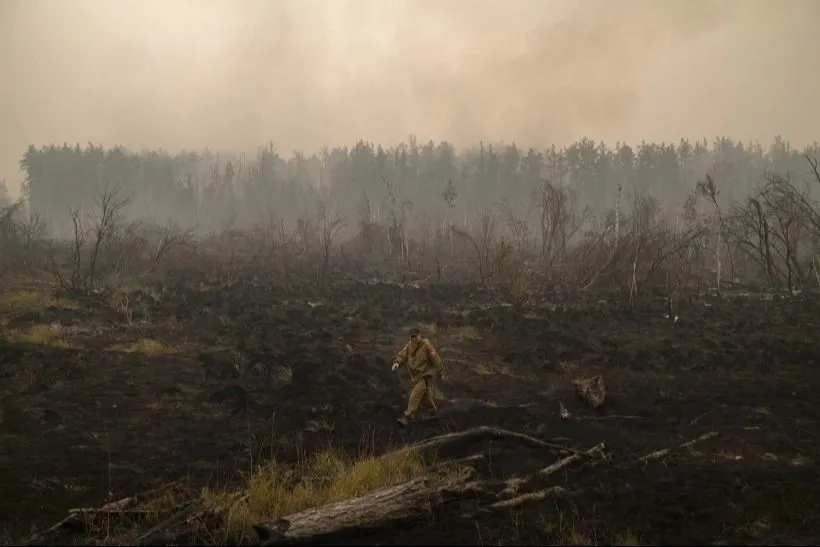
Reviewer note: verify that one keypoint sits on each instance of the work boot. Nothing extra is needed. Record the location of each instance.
(404, 421)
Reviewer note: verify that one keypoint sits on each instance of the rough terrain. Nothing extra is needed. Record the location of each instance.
(205, 381)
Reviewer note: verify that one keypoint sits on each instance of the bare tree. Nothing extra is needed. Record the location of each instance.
(330, 224)
(768, 228)
(84, 269)
(708, 189)
(450, 194)
(750, 231)
(558, 222)
(306, 230)
(518, 227)
(399, 211)
(367, 223)
(170, 237)
(485, 244)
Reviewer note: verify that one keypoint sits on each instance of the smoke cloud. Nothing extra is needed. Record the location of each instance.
(232, 74)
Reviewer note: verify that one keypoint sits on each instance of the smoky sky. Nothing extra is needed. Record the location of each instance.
(233, 74)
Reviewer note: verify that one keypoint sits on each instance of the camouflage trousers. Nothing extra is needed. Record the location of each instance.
(422, 388)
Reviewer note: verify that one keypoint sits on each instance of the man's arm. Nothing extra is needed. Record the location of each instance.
(401, 358)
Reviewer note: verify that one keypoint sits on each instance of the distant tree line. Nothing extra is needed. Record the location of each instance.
(5, 201)
(428, 181)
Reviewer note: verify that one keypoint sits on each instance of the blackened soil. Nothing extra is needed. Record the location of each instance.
(256, 372)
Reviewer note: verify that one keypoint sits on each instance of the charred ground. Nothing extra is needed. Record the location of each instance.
(194, 383)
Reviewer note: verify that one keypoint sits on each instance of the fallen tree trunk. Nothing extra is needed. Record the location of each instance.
(408, 500)
(539, 495)
(511, 492)
(596, 450)
(665, 451)
(75, 517)
(486, 432)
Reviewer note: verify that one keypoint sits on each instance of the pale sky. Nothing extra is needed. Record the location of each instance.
(233, 74)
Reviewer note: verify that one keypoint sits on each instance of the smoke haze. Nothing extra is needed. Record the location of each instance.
(230, 75)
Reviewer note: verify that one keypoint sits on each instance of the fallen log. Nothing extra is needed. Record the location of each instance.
(163, 533)
(512, 486)
(112, 507)
(539, 495)
(665, 451)
(408, 500)
(75, 517)
(485, 433)
(596, 450)
(160, 532)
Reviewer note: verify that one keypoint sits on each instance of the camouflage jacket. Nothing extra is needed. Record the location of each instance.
(421, 358)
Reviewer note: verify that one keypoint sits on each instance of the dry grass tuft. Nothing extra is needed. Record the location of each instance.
(627, 539)
(466, 333)
(28, 300)
(46, 335)
(276, 490)
(567, 529)
(146, 346)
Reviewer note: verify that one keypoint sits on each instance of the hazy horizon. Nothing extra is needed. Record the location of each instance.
(230, 75)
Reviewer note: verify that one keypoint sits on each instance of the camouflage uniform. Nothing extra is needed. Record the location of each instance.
(425, 366)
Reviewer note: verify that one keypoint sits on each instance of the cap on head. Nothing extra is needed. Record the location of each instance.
(414, 331)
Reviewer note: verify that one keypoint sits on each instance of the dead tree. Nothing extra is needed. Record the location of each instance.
(708, 189)
(170, 237)
(769, 227)
(552, 206)
(644, 213)
(399, 211)
(518, 227)
(750, 231)
(788, 220)
(559, 222)
(85, 269)
(449, 194)
(306, 230)
(123, 248)
(367, 224)
(330, 223)
(483, 243)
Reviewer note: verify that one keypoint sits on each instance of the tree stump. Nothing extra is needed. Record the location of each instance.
(592, 391)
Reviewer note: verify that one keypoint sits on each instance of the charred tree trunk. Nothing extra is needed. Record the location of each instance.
(409, 500)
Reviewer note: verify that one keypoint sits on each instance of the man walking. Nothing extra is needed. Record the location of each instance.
(425, 366)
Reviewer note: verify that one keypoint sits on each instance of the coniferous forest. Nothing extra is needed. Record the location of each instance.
(208, 189)
(496, 202)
